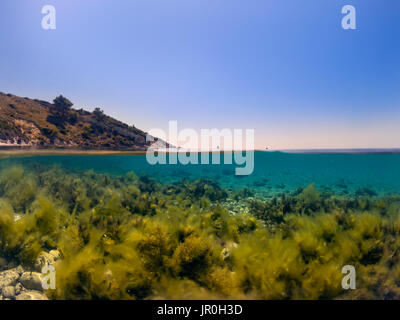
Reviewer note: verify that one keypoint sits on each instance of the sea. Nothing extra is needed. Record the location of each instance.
(339, 172)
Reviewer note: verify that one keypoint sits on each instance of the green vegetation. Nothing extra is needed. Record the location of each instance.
(129, 237)
(62, 103)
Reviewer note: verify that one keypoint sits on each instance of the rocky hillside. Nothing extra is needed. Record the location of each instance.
(27, 123)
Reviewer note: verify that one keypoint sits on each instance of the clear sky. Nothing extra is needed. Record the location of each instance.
(283, 67)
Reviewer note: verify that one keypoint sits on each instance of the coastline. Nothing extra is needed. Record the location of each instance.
(53, 152)
(5, 152)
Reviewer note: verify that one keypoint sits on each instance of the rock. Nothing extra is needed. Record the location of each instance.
(8, 292)
(55, 254)
(18, 288)
(8, 278)
(45, 259)
(20, 270)
(32, 280)
(31, 295)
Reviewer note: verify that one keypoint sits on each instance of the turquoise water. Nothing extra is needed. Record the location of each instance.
(274, 172)
(195, 240)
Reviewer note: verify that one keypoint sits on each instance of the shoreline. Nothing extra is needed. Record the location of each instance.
(52, 152)
(5, 152)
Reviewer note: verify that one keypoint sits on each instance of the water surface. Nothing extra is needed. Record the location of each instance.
(274, 172)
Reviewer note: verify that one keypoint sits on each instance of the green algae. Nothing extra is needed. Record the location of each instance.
(129, 237)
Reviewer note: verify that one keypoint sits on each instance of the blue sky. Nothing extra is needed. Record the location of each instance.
(283, 67)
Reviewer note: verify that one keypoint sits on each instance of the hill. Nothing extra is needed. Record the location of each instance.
(32, 123)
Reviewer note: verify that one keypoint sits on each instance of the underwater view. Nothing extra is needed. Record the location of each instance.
(115, 227)
(199, 159)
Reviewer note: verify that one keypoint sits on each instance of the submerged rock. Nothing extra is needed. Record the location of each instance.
(46, 259)
(32, 281)
(31, 295)
(19, 288)
(8, 278)
(20, 270)
(8, 292)
(21, 284)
